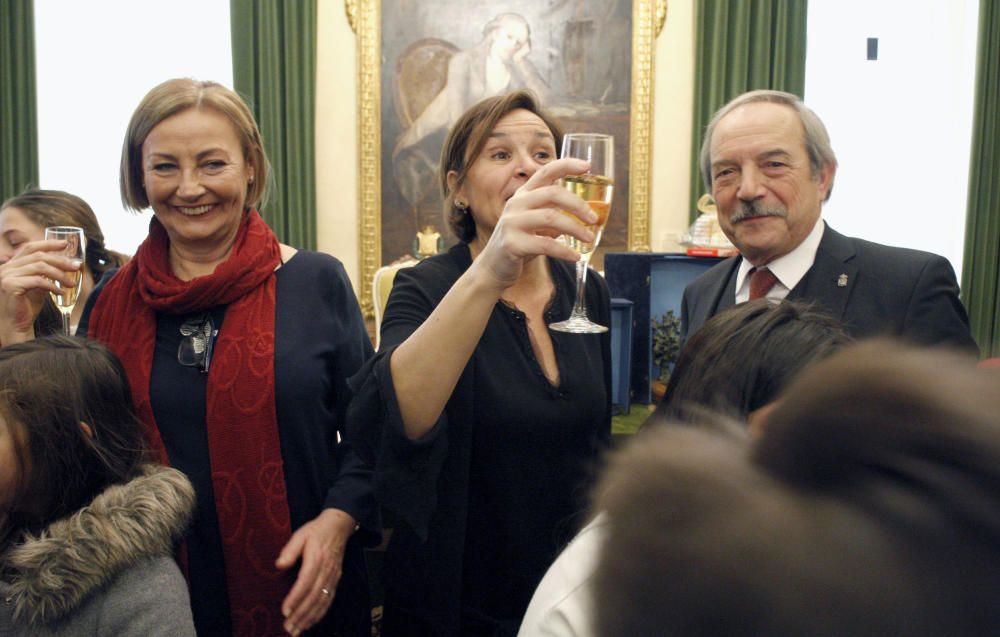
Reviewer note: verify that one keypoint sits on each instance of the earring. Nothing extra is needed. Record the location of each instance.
(461, 205)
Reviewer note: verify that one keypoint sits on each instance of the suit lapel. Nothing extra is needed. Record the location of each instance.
(832, 276)
(725, 294)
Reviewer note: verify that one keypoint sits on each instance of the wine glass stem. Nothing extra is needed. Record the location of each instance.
(65, 322)
(579, 306)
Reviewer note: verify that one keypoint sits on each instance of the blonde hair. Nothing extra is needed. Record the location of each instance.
(172, 97)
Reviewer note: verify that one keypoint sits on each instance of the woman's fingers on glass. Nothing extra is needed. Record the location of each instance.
(70, 263)
(573, 204)
(557, 249)
(50, 267)
(58, 265)
(25, 284)
(557, 197)
(538, 243)
(552, 223)
(69, 278)
(40, 246)
(565, 222)
(556, 169)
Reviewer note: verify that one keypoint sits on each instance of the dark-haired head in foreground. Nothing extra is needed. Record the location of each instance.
(67, 414)
(740, 360)
(870, 506)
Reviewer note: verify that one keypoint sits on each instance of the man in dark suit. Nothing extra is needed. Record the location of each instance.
(767, 159)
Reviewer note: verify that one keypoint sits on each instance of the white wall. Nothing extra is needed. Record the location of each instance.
(673, 120)
(95, 61)
(901, 125)
(337, 222)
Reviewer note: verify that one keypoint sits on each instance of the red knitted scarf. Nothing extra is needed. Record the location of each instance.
(244, 448)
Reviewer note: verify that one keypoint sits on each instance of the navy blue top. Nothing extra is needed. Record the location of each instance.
(320, 340)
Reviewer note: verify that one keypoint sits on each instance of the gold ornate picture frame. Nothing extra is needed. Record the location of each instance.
(646, 20)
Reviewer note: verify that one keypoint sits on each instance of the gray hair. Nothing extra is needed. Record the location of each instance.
(817, 140)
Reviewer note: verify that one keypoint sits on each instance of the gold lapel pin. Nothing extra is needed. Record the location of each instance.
(842, 281)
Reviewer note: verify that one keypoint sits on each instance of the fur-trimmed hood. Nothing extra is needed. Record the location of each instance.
(49, 575)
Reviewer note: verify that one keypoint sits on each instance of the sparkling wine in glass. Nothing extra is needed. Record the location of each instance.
(595, 187)
(65, 299)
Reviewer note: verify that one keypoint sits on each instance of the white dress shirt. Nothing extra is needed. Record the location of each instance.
(789, 268)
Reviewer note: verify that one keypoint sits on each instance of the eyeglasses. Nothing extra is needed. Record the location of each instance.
(195, 349)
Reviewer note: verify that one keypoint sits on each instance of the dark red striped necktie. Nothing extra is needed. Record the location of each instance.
(761, 281)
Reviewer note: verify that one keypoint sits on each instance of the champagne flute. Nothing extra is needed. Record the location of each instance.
(595, 187)
(65, 299)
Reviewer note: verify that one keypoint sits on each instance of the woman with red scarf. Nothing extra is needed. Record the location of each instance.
(238, 349)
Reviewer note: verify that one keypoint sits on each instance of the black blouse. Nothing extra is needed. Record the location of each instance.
(498, 485)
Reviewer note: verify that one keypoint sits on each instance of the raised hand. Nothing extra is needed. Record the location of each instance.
(539, 212)
(25, 280)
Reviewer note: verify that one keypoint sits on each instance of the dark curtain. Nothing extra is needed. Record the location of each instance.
(18, 118)
(981, 261)
(741, 46)
(274, 67)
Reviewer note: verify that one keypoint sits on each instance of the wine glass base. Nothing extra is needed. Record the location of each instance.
(577, 325)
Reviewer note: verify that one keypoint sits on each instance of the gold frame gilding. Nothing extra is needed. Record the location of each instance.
(648, 18)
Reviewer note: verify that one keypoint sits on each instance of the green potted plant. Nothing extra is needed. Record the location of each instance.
(666, 333)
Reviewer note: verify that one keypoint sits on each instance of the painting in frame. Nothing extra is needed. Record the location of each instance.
(589, 61)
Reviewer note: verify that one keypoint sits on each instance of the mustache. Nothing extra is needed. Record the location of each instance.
(748, 209)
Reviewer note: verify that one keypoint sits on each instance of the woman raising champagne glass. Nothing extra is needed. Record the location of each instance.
(483, 424)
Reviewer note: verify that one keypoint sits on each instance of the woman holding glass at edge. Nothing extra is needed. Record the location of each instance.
(484, 425)
(238, 350)
(23, 220)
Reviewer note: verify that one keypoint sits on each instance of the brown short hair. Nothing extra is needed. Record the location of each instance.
(466, 140)
(867, 507)
(172, 97)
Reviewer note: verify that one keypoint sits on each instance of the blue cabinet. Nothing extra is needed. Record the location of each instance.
(654, 282)
(621, 355)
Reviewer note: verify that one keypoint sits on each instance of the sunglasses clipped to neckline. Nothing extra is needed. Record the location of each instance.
(195, 349)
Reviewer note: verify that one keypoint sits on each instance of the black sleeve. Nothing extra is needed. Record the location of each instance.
(353, 489)
(406, 471)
